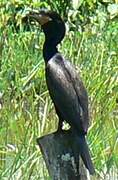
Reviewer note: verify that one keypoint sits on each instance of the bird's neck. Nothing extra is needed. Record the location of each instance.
(49, 50)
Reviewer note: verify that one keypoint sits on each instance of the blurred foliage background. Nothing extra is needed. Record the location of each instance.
(26, 111)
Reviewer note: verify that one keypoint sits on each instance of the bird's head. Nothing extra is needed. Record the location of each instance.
(52, 24)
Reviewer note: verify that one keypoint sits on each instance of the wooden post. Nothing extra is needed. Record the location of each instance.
(60, 154)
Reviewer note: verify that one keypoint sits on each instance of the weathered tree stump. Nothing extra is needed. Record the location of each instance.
(61, 155)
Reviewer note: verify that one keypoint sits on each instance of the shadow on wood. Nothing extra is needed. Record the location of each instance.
(61, 155)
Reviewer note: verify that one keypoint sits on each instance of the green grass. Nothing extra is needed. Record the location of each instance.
(26, 109)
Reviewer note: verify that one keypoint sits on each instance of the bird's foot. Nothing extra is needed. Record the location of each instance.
(59, 130)
(60, 126)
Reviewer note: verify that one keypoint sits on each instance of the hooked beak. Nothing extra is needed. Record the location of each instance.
(39, 17)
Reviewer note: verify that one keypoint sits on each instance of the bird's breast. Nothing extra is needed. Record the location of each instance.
(61, 88)
(58, 79)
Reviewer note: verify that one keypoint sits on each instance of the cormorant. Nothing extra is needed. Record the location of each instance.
(65, 86)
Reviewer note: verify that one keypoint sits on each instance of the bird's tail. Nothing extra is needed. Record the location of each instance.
(85, 155)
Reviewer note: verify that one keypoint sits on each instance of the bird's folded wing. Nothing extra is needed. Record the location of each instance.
(80, 91)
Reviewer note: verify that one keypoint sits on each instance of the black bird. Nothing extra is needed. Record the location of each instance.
(64, 84)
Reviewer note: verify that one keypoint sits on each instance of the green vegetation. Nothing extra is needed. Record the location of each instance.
(26, 111)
